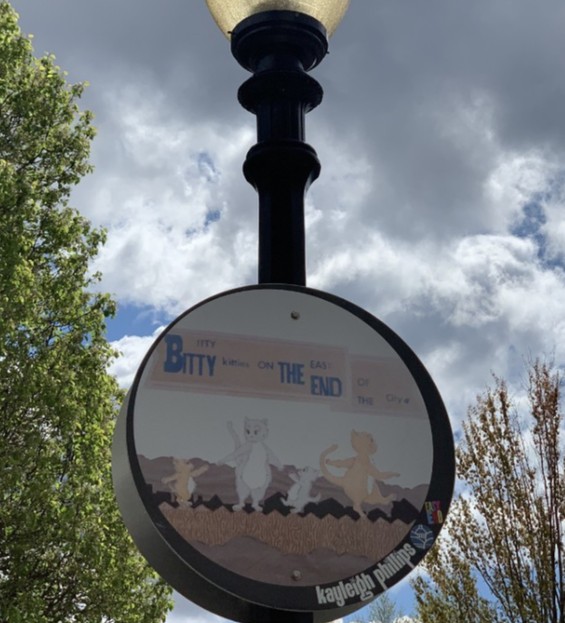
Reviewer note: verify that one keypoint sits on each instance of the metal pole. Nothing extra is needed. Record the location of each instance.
(280, 47)
(278, 616)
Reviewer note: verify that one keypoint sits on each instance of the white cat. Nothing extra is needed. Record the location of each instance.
(299, 493)
(253, 460)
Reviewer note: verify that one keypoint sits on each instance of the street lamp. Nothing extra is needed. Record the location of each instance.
(229, 13)
(280, 41)
(268, 537)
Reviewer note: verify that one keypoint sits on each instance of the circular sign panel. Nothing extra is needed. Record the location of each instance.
(282, 450)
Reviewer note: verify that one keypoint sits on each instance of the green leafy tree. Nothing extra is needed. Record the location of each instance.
(64, 553)
(501, 558)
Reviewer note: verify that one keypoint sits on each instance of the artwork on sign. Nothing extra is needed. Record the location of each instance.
(314, 491)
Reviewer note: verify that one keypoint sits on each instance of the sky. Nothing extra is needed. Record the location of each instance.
(440, 204)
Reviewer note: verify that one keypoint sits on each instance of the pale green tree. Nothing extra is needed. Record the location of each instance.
(64, 553)
(383, 610)
(501, 556)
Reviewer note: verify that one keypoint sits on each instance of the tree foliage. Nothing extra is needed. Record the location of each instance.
(64, 553)
(501, 556)
(383, 610)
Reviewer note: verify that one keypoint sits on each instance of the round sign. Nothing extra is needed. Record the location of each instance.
(282, 450)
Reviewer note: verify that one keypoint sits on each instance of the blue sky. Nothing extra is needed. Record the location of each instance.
(135, 320)
(440, 207)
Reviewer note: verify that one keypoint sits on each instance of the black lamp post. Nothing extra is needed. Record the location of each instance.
(280, 41)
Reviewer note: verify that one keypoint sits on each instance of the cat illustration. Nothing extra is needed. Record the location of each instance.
(181, 483)
(253, 460)
(361, 478)
(299, 493)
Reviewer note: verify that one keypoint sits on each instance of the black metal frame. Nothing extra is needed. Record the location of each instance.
(207, 583)
(279, 48)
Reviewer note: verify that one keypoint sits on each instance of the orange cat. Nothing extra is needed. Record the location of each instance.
(360, 481)
(182, 482)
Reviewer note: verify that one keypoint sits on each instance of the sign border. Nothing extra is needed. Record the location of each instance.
(221, 590)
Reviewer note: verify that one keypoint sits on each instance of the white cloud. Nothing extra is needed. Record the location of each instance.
(132, 349)
(187, 612)
(168, 207)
